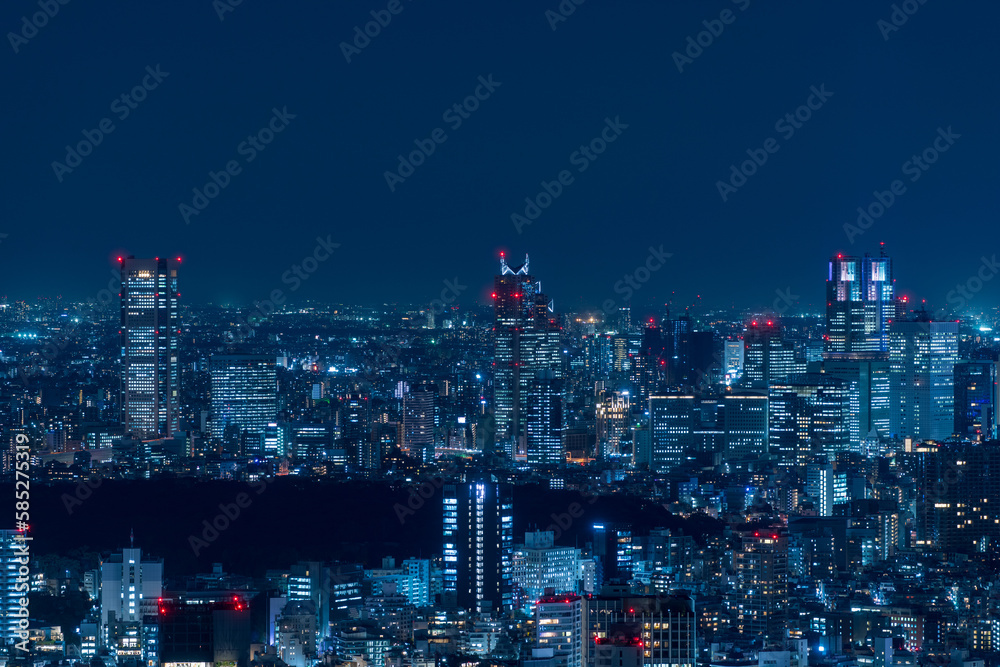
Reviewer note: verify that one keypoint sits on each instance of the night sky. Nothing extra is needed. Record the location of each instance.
(655, 185)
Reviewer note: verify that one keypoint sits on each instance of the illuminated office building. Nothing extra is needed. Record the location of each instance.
(11, 552)
(478, 545)
(671, 423)
(976, 397)
(746, 426)
(149, 333)
(870, 393)
(544, 423)
(664, 627)
(922, 355)
(539, 564)
(809, 413)
(559, 625)
(612, 416)
(419, 421)
(762, 584)
(130, 588)
(860, 304)
(244, 399)
(768, 358)
(527, 339)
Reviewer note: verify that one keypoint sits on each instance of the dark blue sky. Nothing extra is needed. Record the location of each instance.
(655, 185)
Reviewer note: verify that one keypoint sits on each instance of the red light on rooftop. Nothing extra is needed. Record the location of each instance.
(769, 323)
(119, 259)
(754, 323)
(494, 295)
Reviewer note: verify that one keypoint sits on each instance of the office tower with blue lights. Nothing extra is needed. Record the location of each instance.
(671, 424)
(527, 339)
(922, 355)
(976, 397)
(244, 399)
(11, 552)
(149, 333)
(860, 304)
(746, 426)
(612, 422)
(870, 390)
(808, 414)
(130, 589)
(544, 423)
(560, 625)
(767, 356)
(420, 420)
(539, 564)
(478, 545)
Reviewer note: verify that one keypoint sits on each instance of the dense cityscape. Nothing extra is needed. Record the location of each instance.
(625, 486)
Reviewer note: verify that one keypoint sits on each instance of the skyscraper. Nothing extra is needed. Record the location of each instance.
(976, 397)
(860, 304)
(12, 548)
(544, 424)
(922, 356)
(768, 358)
(130, 589)
(746, 426)
(478, 544)
(559, 625)
(870, 391)
(419, 405)
(762, 584)
(671, 423)
(809, 413)
(527, 339)
(244, 398)
(149, 339)
(612, 417)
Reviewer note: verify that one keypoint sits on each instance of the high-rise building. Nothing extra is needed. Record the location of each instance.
(478, 544)
(544, 423)
(958, 498)
(612, 417)
(203, 630)
(671, 423)
(12, 548)
(976, 398)
(768, 358)
(149, 332)
(746, 426)
(527, 339)
(539, 564)
(663, 625)
(130, 589)
(613, 551)
(809, 413)
(827, 486)
(559, 625)
(419, 418)
(860, 304)
(762, 584)
(870, 391)
(244, 398)
(922, 356)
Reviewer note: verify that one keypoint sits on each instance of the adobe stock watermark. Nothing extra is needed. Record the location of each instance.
(963, 293)
(30, 27)
(294, 276)
(900, 14)
(696, 45)
(914, 168)
(223, 7)
(562, 12)
(581, 158)
(381, 18)
(249, 148)
(227, 515)
(83, 491)
(562, 521)
(452, 290)
(454, 115)
(786, 125)
(633, 282)
(122, 106)
(784, 300)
